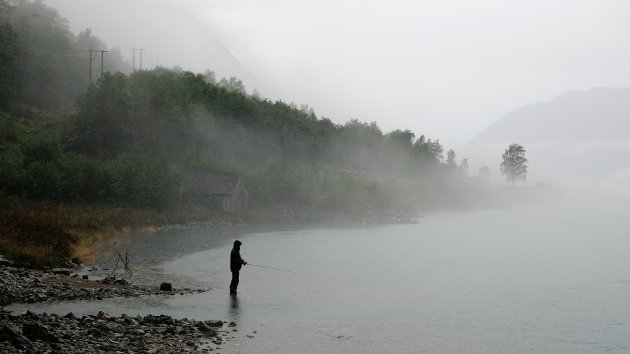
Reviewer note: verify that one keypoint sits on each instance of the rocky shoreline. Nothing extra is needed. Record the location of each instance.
(19, 284)
(99, 333)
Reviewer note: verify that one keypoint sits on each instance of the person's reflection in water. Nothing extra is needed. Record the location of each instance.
(234, 310)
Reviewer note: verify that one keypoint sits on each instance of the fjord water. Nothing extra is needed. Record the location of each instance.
(553, 279)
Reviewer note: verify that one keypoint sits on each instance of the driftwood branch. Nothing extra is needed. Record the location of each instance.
(124, 261)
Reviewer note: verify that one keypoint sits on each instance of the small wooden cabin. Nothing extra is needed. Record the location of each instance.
(226, 189)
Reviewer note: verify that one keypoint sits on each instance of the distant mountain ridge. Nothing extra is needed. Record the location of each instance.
(601, 113)
(579, 138)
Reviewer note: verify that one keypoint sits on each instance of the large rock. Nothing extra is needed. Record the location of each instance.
(9, 334)
(36, 331)
(210, 332)
(166, 287)
(212, 323)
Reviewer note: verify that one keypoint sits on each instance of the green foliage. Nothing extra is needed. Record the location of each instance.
(41, 148)
(41, 180)
(11, 171)
(102, 125)
(143, 181)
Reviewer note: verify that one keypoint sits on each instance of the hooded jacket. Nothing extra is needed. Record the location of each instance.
(236, 262)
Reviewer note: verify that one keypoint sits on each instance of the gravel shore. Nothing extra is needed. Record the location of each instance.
(98, 333)
(101, 333)
(24, 285)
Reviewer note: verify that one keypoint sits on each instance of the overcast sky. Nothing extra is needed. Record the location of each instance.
(445, 68)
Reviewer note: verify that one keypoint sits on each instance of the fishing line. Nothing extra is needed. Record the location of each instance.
(282, 270)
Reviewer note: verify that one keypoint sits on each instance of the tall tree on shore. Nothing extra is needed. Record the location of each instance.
(514, 165)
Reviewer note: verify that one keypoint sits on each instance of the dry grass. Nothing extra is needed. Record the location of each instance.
(47, 233)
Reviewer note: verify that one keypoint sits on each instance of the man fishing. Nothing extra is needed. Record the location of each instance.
(236, 263)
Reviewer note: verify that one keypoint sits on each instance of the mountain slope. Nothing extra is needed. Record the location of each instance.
(168, 32)
(600, 114)
(580, 138)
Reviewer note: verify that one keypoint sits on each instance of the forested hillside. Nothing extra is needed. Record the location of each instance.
(126, 138)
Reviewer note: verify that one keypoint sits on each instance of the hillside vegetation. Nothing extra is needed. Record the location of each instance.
(124, 141)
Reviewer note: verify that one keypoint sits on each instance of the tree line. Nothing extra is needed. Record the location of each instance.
(127, 138)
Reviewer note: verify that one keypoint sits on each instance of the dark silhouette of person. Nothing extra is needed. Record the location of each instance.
(236, 263)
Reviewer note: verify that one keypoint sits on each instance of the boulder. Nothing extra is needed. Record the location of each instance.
(36, 331)
(14, 336)
(214, 323)
(206, 330)
(166, 287)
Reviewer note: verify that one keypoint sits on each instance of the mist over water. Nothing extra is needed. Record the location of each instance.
(543, 279)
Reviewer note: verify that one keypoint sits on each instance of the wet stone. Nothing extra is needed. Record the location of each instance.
(99, 332)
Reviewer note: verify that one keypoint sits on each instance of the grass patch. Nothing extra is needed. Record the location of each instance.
(49, 233)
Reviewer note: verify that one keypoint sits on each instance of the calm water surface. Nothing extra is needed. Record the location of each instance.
(535, 280)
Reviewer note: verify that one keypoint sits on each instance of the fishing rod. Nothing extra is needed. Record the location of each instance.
(282, 270)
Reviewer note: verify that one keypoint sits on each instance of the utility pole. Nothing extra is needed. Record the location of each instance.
(102, 55)
(91, 50)
(141, 50)
(134, 59)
